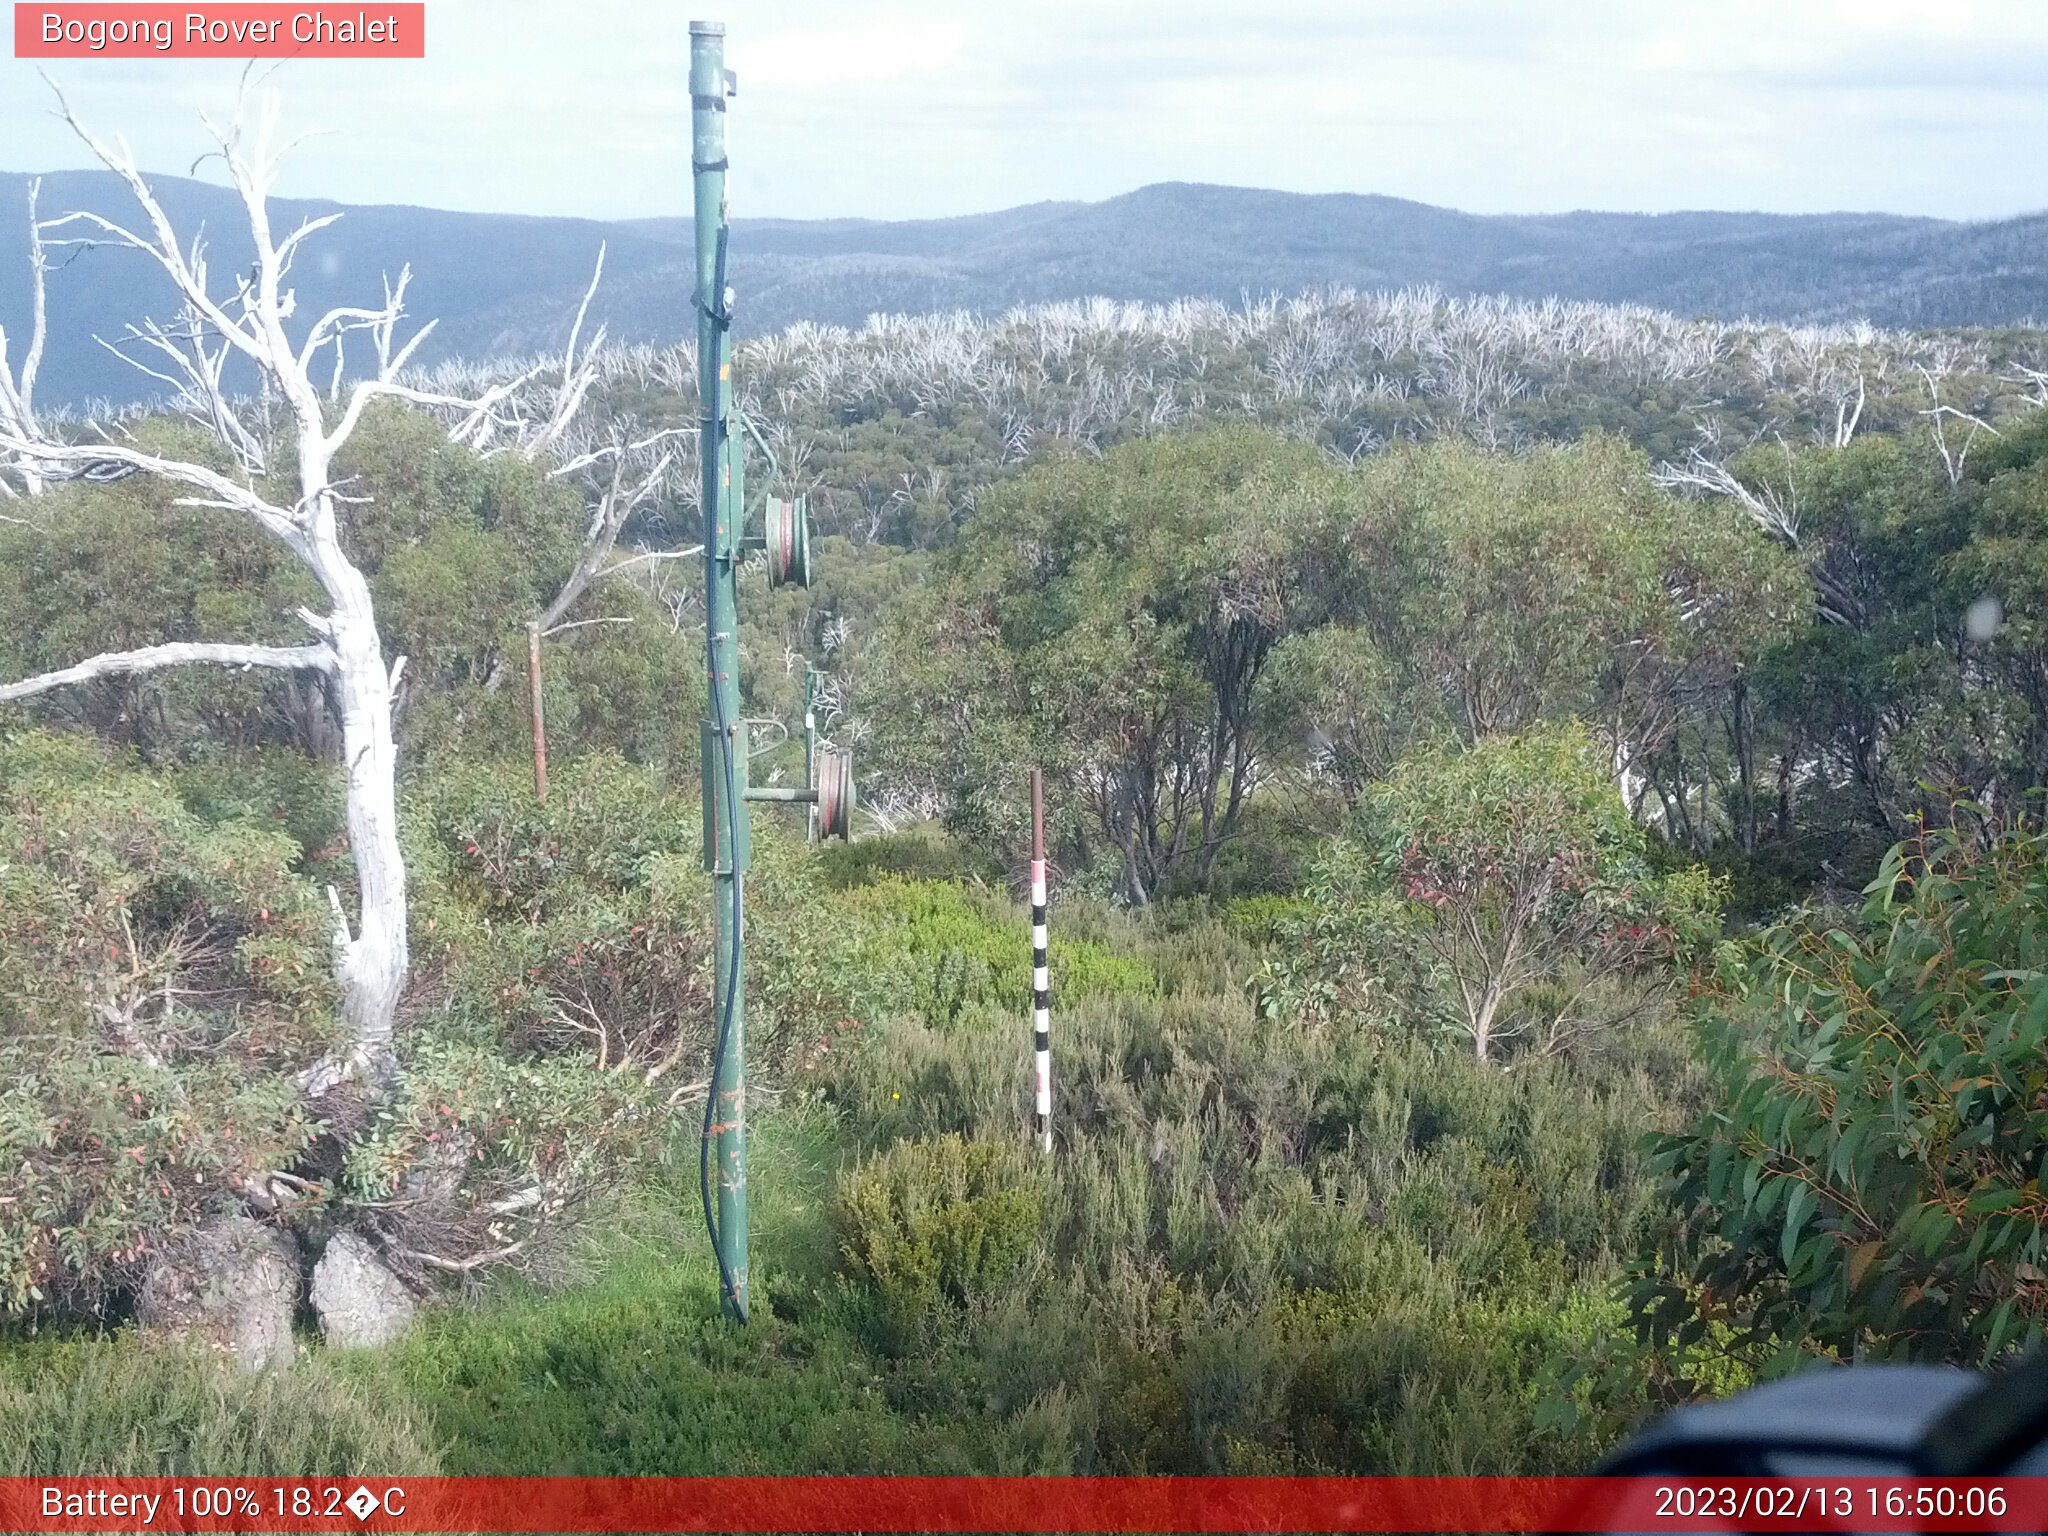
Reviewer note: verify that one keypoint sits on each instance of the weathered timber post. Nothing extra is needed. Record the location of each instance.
(540, 720)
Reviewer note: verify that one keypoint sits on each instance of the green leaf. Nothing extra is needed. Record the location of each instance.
(2003, 1325)
(1994, 1200)
(1798, 1207)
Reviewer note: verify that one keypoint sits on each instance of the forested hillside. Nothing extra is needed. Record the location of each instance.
(508, 285)
(1180, 239)
(1543, 799)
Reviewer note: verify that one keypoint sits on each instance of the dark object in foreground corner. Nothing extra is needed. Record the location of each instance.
(1868, 1420)
(1858, 1421)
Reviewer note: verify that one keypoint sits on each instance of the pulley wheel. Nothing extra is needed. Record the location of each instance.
(788, 539)
(835, 795)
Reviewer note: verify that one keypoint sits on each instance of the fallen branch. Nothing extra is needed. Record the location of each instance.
(466, 1266)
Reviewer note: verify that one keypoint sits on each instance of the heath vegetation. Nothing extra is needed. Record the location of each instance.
(1547, 883)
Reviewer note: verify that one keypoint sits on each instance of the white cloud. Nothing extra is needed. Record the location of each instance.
(901, 108)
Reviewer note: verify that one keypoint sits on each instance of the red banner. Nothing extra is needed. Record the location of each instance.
(1022, 1504)
(69, 30)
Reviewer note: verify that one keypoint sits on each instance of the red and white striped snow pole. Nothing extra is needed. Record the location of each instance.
(1041, 976)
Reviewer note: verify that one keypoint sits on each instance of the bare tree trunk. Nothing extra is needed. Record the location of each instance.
(1863, 763)
(1212, 844)
(1745, 766)
(1480, 1024)
(374, 961)
(18, 391)
(311, 712)
(1681, 799)
(1134, 880)
(616, 503)
(1785, 759)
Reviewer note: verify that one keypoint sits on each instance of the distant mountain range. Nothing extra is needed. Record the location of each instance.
(504, 283)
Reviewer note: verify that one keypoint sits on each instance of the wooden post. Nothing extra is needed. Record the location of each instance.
(1041, 977)
(540, 724)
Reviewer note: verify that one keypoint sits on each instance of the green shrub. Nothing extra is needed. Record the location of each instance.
(468, 1129)
(583, 929)
(271, 786)
(121, 566)
(506, 854)
(928, 1223)
(1269, 855)
(1263, 919)
(552, 931)
(1180, 943)
(560, 1024)
(1867, 1183)
(815, 969)
(635, 1375)
(135, 1408)
(161, 980)
(917, 853)
(942, 950)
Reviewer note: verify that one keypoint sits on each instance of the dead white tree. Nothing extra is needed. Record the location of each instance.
(18, 390)
(580, 371)
(1775, 512)
(247, 323)
(622, 491)
(1847, 415)
(1954, 457)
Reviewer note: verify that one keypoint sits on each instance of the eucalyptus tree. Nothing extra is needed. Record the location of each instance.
(1114, 619)
(1501, 892)
(1561, 583)
(1914, 682)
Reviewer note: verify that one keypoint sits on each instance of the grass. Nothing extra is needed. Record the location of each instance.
(123, 1406)
(629, 1373)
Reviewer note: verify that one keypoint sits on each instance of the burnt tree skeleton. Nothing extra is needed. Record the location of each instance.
(346, 653)
(18, 389)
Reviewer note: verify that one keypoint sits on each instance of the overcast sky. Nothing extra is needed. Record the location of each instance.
(910, 108)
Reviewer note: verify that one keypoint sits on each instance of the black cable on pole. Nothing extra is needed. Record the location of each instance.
(721, 319)
(732, 985)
